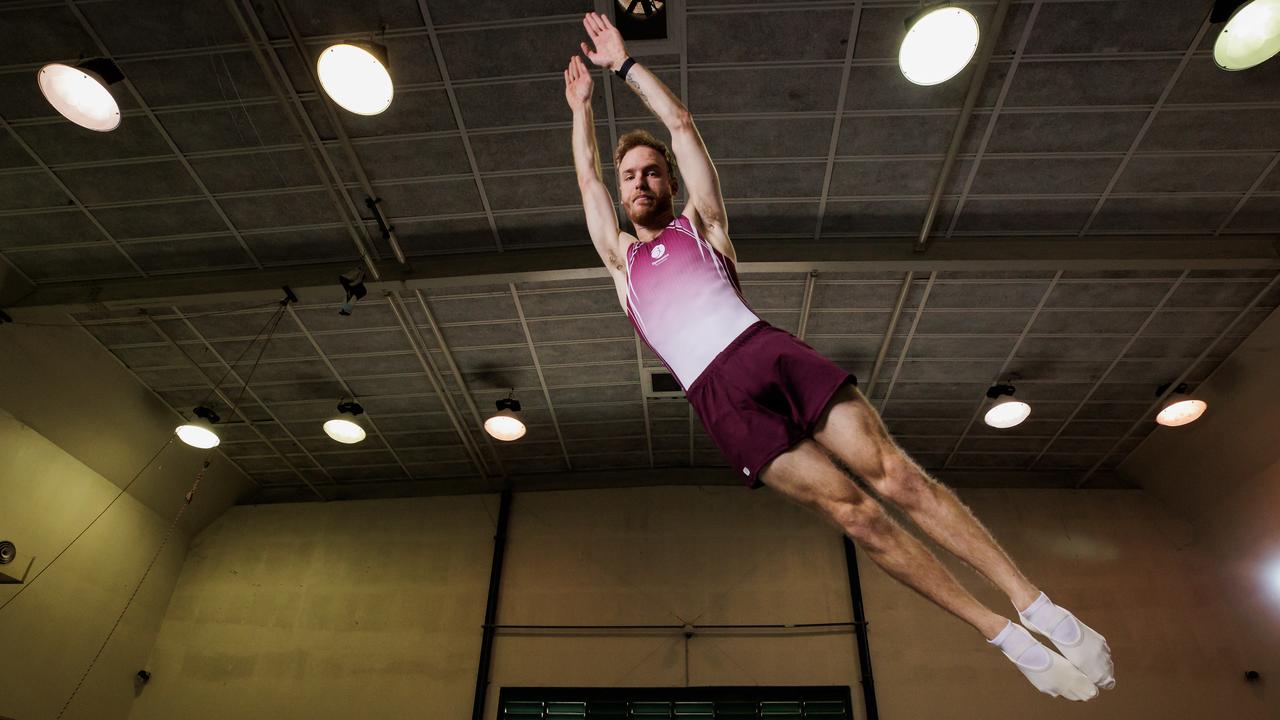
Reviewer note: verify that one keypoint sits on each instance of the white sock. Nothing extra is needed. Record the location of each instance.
(1079, 643)
(1046, 669)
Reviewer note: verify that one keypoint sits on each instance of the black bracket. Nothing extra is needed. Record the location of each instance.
(372, 204)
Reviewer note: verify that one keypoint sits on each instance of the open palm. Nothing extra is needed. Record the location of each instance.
(577, 82)
(609, 50)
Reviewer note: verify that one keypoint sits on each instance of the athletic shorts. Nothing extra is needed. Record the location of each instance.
(762, 394)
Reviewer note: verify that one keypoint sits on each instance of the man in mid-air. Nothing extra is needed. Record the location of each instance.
(780, 412)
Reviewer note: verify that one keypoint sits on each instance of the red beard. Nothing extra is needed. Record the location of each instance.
(651, 214)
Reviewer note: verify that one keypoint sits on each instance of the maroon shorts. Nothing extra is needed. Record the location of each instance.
(762, 394)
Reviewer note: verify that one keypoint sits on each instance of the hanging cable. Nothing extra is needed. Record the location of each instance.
(269, 329)
(141, 311)
(122, 491)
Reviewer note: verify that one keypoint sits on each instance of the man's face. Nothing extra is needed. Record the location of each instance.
(645, 186)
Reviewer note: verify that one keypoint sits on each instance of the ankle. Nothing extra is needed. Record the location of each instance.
(1023, 596)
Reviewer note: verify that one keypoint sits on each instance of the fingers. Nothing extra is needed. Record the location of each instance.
(586, 49)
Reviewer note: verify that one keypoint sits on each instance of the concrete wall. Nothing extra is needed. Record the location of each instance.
(373, 608)
(75, 428)
(51, 632)
(61, 382)
(1223, 473)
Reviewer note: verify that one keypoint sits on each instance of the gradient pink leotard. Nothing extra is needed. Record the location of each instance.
(684, 299)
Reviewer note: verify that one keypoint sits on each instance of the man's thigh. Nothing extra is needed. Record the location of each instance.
(806, 475)
(852, 431)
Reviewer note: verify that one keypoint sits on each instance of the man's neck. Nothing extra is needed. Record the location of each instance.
(645, 233)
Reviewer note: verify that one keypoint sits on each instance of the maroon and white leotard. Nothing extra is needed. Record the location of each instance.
(684, 299)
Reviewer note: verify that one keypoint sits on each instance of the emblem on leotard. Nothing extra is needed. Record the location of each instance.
(658, 251)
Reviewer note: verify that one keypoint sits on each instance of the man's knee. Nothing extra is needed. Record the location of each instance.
(901, 481)
(862, 519)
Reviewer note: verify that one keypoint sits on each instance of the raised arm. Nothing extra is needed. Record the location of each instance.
(602, 223)
(706, 205)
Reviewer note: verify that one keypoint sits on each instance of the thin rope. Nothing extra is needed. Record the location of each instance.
(124, 489)
(277, 317)
(168, 533)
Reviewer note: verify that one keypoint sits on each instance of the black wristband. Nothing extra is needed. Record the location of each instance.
(626, 65)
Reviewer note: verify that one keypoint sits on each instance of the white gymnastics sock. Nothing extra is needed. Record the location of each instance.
(1046, 669)
(1079, 643)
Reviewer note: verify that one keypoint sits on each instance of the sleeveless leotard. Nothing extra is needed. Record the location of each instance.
(684, 299)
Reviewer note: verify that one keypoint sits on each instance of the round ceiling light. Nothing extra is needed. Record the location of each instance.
(355, 76)
(1006, 412)
(1251, 36)
(506, 424)
(344, 427)
(1181, 410)
(940, 42)
(80, 93)
(199, 433)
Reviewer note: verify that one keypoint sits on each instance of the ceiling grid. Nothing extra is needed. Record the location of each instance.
(826, 156)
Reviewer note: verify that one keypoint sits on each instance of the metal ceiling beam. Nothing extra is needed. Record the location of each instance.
(1253, 189)
(231, 404)
(164, 134)
(1151, 409)
(460, 380)
(346, 387)
(986, 45)
(459, 120)
(995, 115)
(80, 206)
(850, 41)
(296, 113)
(906, 345)
(1146, 125)
(542, 380)
(1102, 377)
(335, 120)
(579, 262)
(437, 383)
(1004, 367)
(887, 339)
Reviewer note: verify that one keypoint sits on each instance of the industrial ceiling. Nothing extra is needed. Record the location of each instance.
(1109, 225)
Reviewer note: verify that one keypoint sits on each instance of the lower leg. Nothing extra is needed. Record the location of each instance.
(908, 561)
(936, 510)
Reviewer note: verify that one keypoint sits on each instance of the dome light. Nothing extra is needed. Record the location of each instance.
(355, 76)
(506, 424)
(80, 93)
(1251, 36)
(1180, 409)
(940, 42)
(199, 433)
(1006, 412)
(345, 427)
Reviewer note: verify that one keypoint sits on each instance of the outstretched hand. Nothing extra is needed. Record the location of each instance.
(577, 82)
(609, 50)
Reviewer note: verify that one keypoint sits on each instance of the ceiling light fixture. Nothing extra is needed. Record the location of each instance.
(506, 424)
(345, 427)
(1252, 33)
(941, 40)
(354, 75)
(199, 433)
(1180, 408)
(79, 93)
(1006, 412)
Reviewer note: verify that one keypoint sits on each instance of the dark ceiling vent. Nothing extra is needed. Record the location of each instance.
(641, 19)
(660, 384)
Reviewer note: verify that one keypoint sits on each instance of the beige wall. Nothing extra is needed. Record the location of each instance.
(50, 632)
(64, 384)
(1223, 474)
(75, 428)
(374, 607)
